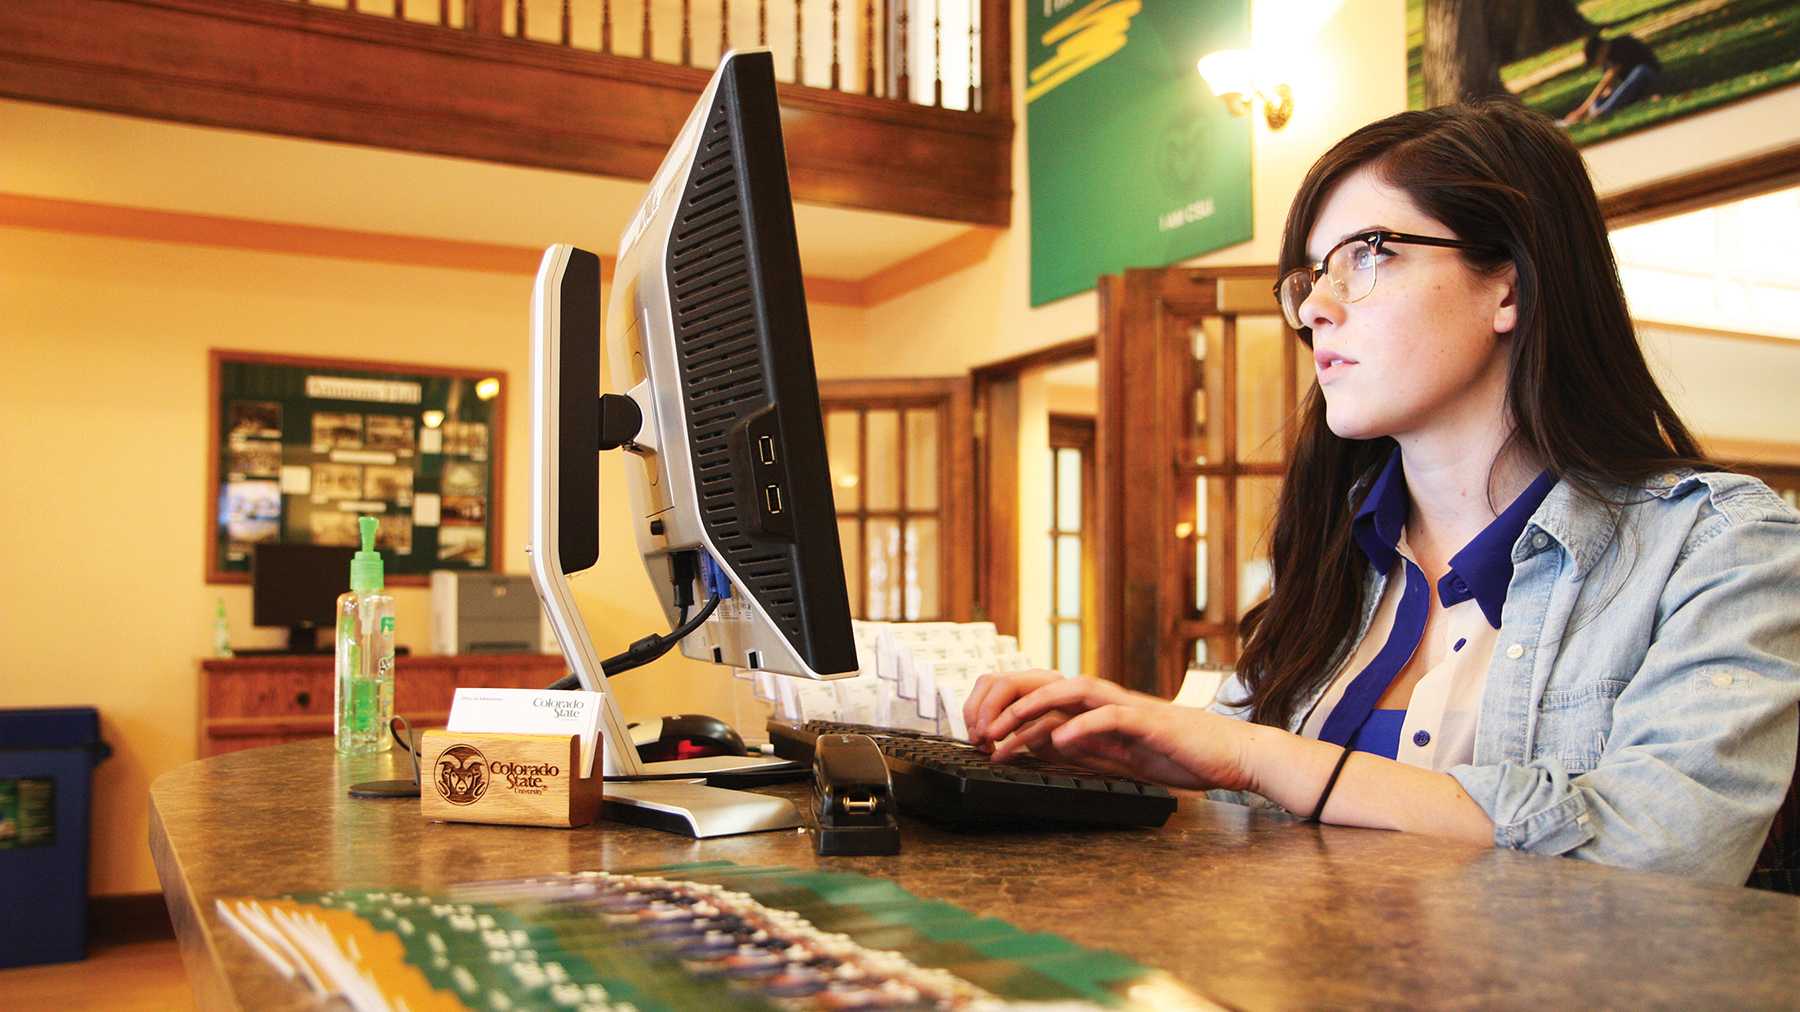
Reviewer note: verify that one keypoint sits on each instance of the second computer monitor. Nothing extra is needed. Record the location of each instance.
(706, 327)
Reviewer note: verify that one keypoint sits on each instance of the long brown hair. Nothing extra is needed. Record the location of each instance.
(1580, 395)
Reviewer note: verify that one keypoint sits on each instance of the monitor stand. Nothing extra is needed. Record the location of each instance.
(690, 809)
(673, 806)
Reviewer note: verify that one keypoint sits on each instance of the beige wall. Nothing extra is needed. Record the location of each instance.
(103, 403)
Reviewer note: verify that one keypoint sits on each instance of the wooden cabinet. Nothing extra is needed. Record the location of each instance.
(250, 701)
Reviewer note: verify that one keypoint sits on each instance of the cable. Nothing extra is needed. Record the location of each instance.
(685, 569)
(651, 647)
(645, 650)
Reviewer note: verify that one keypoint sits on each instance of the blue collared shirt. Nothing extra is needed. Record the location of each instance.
(1451, 685)
(1642, 698)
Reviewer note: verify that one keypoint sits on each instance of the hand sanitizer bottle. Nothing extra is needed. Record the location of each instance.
(221, 632)
(364, 700)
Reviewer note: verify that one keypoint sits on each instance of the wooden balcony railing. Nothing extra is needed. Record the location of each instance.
(884, 108)
(857, 46)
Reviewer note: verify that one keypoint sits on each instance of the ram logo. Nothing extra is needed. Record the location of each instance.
(462, 776)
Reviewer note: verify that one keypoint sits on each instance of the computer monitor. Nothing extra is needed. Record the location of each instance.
(730, 488)
(297, 587)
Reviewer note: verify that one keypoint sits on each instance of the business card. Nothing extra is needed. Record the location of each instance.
(530, 711)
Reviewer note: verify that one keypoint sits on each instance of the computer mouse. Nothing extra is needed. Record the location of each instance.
(685, 736)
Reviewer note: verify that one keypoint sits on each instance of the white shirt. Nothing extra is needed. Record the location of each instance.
(1445, 708)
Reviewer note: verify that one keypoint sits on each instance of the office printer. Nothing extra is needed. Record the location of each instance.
(487, 613)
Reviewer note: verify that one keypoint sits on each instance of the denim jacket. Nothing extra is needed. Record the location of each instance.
(1641, 703)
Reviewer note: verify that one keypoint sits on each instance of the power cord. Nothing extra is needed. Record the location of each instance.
(645, 650)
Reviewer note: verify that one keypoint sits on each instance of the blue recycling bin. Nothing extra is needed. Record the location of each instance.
(47, 760)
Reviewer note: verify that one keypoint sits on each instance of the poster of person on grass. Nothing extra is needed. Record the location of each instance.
(1601, 68)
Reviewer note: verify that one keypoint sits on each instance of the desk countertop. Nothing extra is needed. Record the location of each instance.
(1250, 909)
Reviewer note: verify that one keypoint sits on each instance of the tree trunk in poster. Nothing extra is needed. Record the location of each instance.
(1459, 60)
(1467, 41)
(1528, 27)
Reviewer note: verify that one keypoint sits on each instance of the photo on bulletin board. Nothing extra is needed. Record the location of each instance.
(300, 448)
(1601, 68)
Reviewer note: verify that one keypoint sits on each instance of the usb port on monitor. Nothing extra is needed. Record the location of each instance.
(772, 499)
(765, 449)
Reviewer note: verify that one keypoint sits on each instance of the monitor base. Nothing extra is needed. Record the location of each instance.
(696, 811)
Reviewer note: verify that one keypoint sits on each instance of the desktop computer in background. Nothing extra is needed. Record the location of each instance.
(296, 587)
(729, 485)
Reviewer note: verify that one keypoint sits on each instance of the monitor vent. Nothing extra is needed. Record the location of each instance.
(722, 375)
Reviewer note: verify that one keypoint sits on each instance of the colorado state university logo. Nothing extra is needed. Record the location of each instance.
(461, 775)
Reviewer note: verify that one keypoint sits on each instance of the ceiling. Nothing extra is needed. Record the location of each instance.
(73, 154)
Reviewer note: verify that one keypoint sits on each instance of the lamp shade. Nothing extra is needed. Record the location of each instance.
(1229, 72)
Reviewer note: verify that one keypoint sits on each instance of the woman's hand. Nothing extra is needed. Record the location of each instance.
(1104, 726)
(995, 692)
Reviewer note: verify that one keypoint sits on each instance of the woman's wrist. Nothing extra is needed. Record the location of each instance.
(1286, 768)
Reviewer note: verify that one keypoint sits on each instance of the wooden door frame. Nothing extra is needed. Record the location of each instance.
(956, 544)
(1146, 375)
(995, 466)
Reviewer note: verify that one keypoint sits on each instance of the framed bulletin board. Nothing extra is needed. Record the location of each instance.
(299, 448)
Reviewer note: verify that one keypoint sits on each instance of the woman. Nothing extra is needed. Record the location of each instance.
(1628, 71)
(1512, 603)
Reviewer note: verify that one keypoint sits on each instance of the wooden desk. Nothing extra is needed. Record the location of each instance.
(268, 699)
(1252, 910)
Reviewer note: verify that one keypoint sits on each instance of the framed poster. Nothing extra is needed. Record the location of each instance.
(1132, 161)
(299, 448)
(1602, 68)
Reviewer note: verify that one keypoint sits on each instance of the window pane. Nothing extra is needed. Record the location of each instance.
(1255, 525)
(1068, 576)
(850, 544)
(922, 562)
(882, 483)
(1068, 648)
(1263, 409)
(922, 460)
(1203, 513)
(1068, 490)
(840, 444)
(1200, 651)
(883, 553)
(1208, 390)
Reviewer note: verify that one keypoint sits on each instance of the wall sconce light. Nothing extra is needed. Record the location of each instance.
(1232, 75)
(488, 389)
(432, 418)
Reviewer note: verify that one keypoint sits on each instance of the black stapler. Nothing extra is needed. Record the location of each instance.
(853, 797)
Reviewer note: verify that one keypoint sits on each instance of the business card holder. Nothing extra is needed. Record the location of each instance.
(507, 779)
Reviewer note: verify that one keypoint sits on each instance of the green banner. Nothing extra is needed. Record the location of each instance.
(1133, 161)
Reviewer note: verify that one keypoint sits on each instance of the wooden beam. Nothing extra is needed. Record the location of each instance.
(117, 221)
(323, 74)
(1073, 350)
(1746, 177)
(953, 255)
(79, 217)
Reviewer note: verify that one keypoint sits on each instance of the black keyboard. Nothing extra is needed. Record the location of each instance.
(951, 781)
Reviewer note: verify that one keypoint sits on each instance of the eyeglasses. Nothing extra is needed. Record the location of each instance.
(1350, 267)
